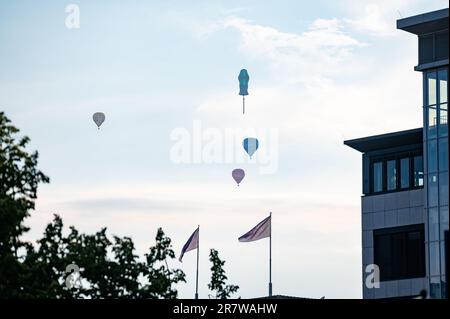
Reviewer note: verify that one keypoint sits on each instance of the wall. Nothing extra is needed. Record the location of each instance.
(391, 210)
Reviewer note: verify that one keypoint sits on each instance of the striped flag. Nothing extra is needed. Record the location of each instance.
(191, 244)
(260, 231)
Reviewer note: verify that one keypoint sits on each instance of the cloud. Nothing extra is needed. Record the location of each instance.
(318, 50)
(326, 111)
(125, 204)
(374, 21)
(319, 77)
(295, 57)
(377, 18)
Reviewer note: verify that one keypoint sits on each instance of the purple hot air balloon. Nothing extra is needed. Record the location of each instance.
(238, 175)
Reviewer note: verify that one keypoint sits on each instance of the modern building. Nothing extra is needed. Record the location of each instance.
(405, 182)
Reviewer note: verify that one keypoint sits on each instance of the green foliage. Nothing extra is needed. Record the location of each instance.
(160, 277)
(218, 277)
(108, 269)
(19, 178)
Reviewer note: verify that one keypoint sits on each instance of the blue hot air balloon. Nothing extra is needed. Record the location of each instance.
(243, 86)
(250, 144)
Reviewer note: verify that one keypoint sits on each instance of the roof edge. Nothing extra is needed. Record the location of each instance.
(413, 24)
(376, 142)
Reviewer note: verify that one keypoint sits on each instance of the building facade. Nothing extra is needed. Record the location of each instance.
(405, 182)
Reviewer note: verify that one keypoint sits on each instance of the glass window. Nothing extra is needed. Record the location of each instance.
(443, 154)
(432, 190)
(432, 156)
(443, 86)
(418, 171)
(391, 175)
(443, 188)
(404, 172)
(378, 177)
(443, 257)
(435, 287)
(415, 259)
(444, 286)
(400, 252)
(443, 221)
(434, 259)
(431, 88)
(433, 224)
(432, 122)
(443, 124)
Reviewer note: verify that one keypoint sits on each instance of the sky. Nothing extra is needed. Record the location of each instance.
(165, 74)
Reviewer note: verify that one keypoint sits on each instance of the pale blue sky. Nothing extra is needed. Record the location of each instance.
(320, 72)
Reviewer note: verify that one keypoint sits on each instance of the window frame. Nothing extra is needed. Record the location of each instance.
(406, 272)
(397, 157)
(409, 160)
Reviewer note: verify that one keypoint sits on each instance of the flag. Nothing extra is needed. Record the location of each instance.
(262, 230)
(191, 244)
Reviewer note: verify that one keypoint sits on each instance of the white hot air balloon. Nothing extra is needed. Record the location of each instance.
(98, 118)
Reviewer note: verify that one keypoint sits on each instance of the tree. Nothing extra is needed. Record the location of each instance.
(107, 268)
(19, 179)
(46, 265)
(218, 277)
(160, 277)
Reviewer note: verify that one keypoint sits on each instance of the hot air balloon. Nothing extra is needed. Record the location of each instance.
(243, 86)
(250, 144)
(98, 118)
(238, 175)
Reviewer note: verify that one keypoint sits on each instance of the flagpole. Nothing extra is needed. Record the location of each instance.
(270, 257)
(196, 279)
